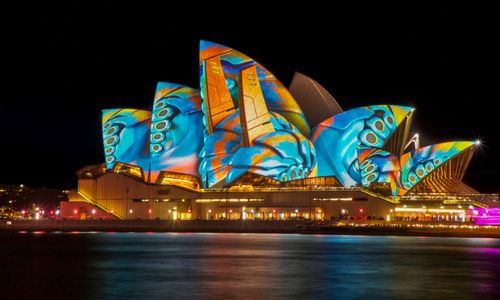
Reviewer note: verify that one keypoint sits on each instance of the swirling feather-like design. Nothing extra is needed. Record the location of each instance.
(176, 130)
(337, 139)
(406, 171)
(126, 136)
(283, 154)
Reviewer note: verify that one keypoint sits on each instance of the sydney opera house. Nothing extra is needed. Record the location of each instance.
(243, 146)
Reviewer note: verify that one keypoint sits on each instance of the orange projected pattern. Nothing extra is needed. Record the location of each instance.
(278, 99)
(219, 103)
(255, 118)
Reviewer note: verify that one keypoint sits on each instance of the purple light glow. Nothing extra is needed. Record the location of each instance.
(486, 216)
(495, 251)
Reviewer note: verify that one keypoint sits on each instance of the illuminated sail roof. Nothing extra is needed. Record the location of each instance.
(244, 126)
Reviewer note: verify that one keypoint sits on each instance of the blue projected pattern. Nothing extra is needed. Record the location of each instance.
(176, 130)
(404, 172)
(338, 139)
(126, 136)
(283, 154)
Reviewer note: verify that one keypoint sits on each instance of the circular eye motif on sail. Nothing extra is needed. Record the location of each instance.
(389, 120)
(367, 180)
(420, 171)
(429, 166)
(370, 139)
(111, 130)
(164, 113)
(159, 104)
(110, 159)
(369, 174)
(163, 125)
(379, 128)
(156, 148)
(412, 178)
(157, 137)
(111, 141)
(109, 150)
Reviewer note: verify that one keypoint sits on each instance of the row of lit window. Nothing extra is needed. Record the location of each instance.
(227, 200)
(332, 199)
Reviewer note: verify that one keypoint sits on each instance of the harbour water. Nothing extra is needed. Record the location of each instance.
(245, 266)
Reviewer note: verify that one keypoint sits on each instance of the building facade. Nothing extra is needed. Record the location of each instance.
(242, 147)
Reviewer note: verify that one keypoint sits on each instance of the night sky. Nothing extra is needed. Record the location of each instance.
(64, 64)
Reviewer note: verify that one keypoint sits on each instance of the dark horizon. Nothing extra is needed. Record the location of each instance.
(66, 64)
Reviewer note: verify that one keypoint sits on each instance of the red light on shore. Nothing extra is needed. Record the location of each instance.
(360, 210)
(189, 210)
(23, 211)
(51, 212)
(75, 211)
(150, 211)
(230, 211)
(274, 211)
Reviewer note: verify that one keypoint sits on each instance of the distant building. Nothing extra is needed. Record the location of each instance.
(20, 201)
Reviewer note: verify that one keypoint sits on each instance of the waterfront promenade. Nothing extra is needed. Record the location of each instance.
(255, 226)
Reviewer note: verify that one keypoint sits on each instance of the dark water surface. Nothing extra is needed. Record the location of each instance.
(248, 266)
